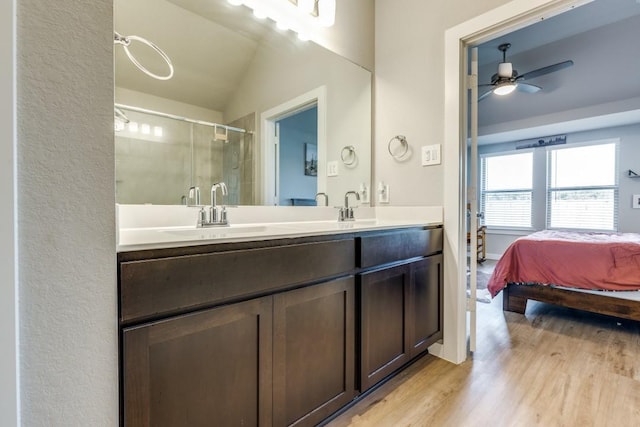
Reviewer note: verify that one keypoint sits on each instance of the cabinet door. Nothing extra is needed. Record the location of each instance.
(425, 326)
(313, 352)
(204, 369)
(384, 345)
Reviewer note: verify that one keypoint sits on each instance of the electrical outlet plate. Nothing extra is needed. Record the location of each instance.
(383, 193)
(332, 168)
(636, 201)
(364, 193)
(431, 155)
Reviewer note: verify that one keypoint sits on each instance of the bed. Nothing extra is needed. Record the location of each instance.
(597, 272)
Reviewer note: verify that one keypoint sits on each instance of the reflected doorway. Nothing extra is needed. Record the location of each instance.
(297, 174)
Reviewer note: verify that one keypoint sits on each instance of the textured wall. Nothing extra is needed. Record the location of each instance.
(67, 268)
(8, 288)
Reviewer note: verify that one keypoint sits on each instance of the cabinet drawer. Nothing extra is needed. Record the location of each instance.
(171, 285)
(389, 247)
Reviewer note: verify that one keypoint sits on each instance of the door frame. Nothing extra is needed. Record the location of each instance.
(9, 350)
(268, 137)
(494, 23)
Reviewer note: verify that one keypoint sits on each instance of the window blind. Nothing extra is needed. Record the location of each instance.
(582, 190)
(506, 190)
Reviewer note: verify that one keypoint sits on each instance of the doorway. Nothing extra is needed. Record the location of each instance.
(304, 110)
(517, 131)
(297, 165)
(502, 20)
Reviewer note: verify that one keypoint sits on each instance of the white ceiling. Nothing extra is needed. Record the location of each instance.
(579, 20)
(602, 89)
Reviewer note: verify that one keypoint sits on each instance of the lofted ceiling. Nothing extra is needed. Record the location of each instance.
(211, 44)
(601, 89)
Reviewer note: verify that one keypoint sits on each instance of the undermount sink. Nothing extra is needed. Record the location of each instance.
(332, 225)
(217, 232)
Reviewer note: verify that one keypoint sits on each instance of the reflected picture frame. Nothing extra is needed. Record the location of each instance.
(310, 159)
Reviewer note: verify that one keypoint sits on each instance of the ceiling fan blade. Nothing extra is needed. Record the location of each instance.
(545, 70)
(484, 95)
(527, 87)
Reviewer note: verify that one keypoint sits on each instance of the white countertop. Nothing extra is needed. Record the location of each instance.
(131, 239)
(155, 226)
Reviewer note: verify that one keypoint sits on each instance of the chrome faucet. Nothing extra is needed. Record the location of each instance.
(326, 198)
(194, 196)
(216, 217)
(346, 212)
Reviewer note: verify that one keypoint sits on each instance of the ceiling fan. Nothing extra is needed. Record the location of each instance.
(506, 80)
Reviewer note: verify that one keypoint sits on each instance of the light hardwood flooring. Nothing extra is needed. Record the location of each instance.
(550, 367)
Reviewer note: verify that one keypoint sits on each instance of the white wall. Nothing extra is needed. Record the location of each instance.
(409, 90)
(8, 255)
(66, 214)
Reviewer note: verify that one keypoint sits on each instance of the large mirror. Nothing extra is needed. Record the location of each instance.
(294, 118)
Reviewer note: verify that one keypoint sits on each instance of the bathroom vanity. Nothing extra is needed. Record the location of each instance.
(282, 330)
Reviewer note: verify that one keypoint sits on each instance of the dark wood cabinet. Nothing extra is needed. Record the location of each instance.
(425, 309)
(202, 369)
(400, 316)
(384, 343)
(273, 332)
(313, 352)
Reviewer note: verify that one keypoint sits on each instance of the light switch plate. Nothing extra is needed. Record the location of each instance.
(431, 155)
(636, 201)
(332, 168)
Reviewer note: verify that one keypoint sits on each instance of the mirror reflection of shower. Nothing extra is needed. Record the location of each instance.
(160, 156)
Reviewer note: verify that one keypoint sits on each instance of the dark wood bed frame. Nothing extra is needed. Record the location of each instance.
(515, 299)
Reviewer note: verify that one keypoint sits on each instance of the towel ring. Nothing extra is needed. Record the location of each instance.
(403, 143)
(126, 41)
(350, 154)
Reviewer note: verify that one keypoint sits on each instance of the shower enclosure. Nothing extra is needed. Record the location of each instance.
(160, 156)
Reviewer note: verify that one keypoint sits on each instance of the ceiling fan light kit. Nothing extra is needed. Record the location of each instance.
(507, 80)
(505, 88)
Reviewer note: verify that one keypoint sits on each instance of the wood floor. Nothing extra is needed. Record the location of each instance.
(551, 367)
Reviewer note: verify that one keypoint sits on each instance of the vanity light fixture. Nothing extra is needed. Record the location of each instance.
(157, 131)
(307, 6)
(282, 26)
(300, 16)
(327, 12)
(259, 13)
(145, 129)
(133, 126)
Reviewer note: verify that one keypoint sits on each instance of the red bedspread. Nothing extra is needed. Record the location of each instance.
(580, 260)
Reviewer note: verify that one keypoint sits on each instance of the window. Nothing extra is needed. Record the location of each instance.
(506, 190)
(582, 191)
